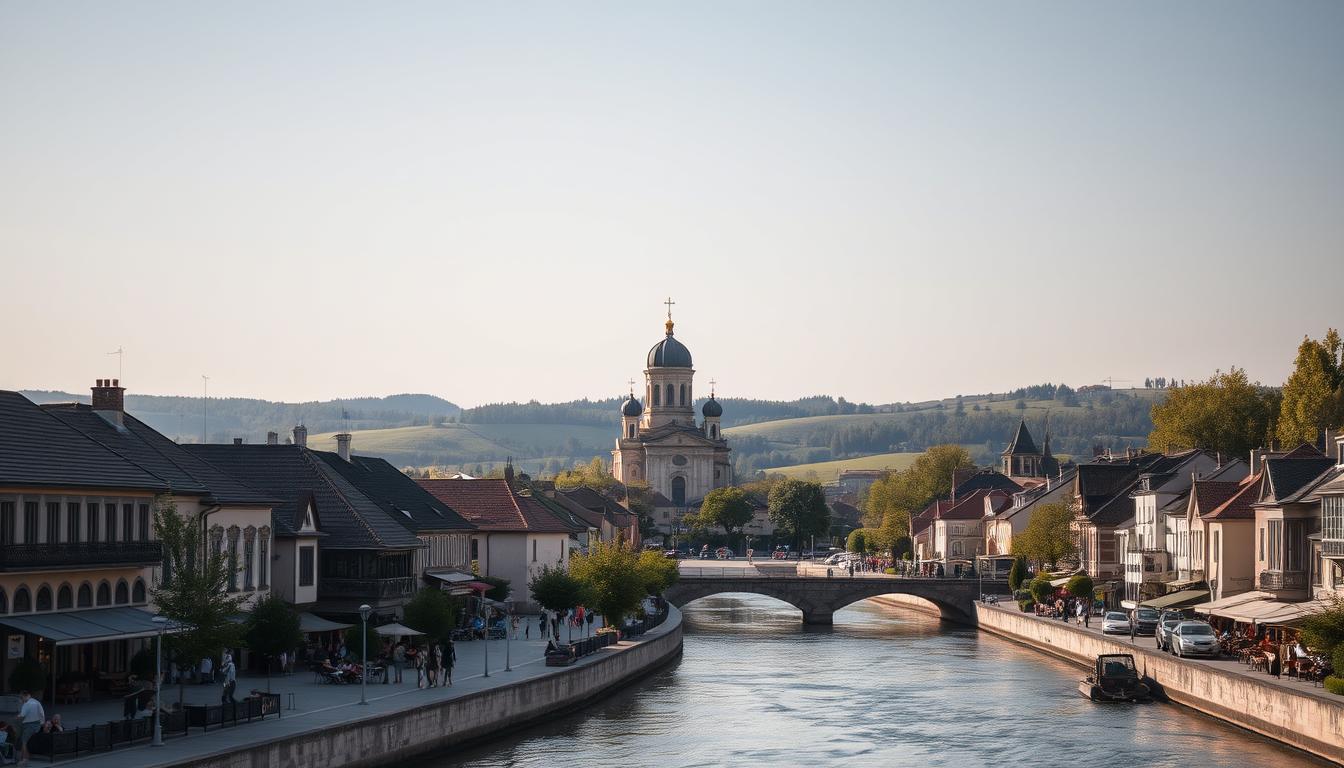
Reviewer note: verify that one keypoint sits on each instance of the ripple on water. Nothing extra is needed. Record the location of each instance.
(885, 686)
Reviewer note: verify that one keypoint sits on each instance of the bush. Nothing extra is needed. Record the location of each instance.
(1338, 658)
(889, 571)
(27, 676)
(1335, 685)
(1080, 586)
(499, 587)
(1018, 573)
(1041, 590)
(1022, 594)
(1026, 604)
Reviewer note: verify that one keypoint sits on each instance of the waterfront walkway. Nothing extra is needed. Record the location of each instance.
(323, 706)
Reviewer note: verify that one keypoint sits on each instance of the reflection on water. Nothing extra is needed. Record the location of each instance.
(883, 687)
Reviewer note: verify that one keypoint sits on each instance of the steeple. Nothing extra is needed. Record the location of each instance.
(669, 304)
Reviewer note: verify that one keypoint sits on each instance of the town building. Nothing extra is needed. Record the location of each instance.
(1022, 460)
(853, 483)
(958, 530)
(1002, 526)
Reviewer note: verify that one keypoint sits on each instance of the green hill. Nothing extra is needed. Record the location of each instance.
(826, 471)
(533, 447)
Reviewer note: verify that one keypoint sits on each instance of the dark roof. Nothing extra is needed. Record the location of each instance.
(597, 501)
(491, 505)
(987, 479)
(631, 407)
(972, 507)
(400, 497)
(1286, 475)
(1053, 490)
(185, 473)
(1236, 506)
(39, 450)
(1104, 487)
(669, 353)
(711, 408)
(297, 476)
(1212, 494)
(1022, 443)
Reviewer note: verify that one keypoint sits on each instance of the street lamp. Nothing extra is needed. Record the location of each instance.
(364, 611)
(485, 641)
(162, 621)
(508, 642)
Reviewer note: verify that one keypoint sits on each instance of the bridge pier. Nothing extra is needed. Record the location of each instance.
(819, 617)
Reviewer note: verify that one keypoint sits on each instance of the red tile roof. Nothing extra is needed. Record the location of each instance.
(492, 506)
(1238, 505)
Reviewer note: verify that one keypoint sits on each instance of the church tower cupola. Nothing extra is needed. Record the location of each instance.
(669, 397)
(630, 411)
(712, 411)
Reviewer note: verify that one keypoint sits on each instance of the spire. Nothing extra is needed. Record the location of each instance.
(669, 304)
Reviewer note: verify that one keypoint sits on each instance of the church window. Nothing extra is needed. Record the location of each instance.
(683, 394)
(713, 431)
(656, 390)
(631, 431)
(679, 491)
(671, 394)
(679, 460)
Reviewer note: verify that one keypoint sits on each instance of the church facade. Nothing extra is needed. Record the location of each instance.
(662, 444)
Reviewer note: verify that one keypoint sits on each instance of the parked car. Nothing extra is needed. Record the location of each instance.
(1168, 622)
(1194, 638)
(840, 558)
(723, 553)
(1145, 621)
(1115, 623)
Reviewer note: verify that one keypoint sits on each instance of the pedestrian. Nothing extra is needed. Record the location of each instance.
(421, 674)
(31, 718)
(541, 626)
(527, 630)
(230, 675)
(431, 667)
(449, 660)
(1079, 620)
(207, 671)
(1087, 614)
(1132, 628)
(398, 659)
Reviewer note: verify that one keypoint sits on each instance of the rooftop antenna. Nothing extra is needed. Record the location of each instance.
(205, 398)
(121, 358)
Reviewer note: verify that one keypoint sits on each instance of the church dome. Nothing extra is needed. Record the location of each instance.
(711, 409)
(631, 407)
(669, 353)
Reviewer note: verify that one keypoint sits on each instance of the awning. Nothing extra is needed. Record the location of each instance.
(1219, 606)
(396, 630)
(1182, 599)
(1261, 608)
(311, 623)
(91, 626)
(481, 586)
(1060, 582)
(1292, 613)
(451, 577)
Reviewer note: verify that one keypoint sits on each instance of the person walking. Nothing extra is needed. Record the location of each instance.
(230, 675)
(398, 659)
(31, 718)
(207, 671)
(449, 661)
(431, 666)
(1087, 614)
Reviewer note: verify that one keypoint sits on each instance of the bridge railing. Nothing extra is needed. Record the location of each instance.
(837, 574)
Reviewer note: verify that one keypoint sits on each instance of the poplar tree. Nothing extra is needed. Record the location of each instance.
(1313, 395)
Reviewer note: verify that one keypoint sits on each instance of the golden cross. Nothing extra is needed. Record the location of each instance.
(669, 304)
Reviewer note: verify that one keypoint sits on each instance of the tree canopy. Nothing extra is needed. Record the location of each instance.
(611, 579)
(726, 508)
(893, 499)
(594, 474)
(556, 589)
(431, 611)
(1227, 413)
(798, 509)
(1047, 539)
(273, 629)
(656, 572)
(1313, 395)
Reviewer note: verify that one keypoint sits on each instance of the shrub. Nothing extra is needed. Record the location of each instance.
(1338, 657)
(1080, 586)
(1018, 573)
(889, 571)
(1041, 590)
(1022, 594)
(1026, 604)
(1335, 685)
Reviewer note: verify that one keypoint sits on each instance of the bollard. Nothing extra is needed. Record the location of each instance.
(291, 700)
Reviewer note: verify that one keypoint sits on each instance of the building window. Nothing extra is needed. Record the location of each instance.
(233, 558)
(679, 491)
(4, 602)
(249, 548)
(44, 598)
(630, 431)
(1262, 545)
(656, 399)
(72, 522)
(53, 522)
(109, 523)
(7, 523)
(306, 571)
(104, 593)
(713, 431)
(683, 394)
(92, 519)
(65, 598)
(123, 592)
(23, 601)
(30, 524)
(143, 521)
(534, 550)
(264, 564)
(671, 395)
(138, 592)
(1275, 544)
(127, 522)
(85, 596)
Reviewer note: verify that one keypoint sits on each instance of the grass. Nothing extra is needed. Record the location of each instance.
(455, 444)
(826, 471)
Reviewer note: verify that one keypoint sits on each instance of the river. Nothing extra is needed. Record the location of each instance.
(884, 687)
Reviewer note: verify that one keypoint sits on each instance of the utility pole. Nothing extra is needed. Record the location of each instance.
(121, 358)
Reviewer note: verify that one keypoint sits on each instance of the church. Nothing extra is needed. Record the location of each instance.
(661, 444)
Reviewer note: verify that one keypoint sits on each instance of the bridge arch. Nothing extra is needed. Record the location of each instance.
(820, 598)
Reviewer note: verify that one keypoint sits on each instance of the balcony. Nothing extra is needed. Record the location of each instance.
(366, 589)
(78, 555)
(1272, 581)
(1332, 548)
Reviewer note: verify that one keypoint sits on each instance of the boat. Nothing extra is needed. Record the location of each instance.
(1115, 679)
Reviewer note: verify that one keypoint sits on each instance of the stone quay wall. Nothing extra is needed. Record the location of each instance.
(417, 731)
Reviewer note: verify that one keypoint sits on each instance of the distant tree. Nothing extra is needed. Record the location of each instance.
(798, 509)
(1047, 539)
(499, 587)
(556, 589)
(1148, 383)
(273, 629)
(360, 637)
(594, 475)
(728, 508)
(1018, 573)
(857, 541)
(1226, 413)
(1313, 395)
(431, 611)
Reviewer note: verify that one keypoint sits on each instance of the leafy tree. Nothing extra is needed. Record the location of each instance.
(594, 474)
(273, 629)
(727, 508)
(1018, 573)
(431, 611)
(193, 594)
(857, 541)
(361, 636)
(1313, 396)
(1325, 630)
(556, 589)
(1080, 586)
(611, 579)
(895, 498)
(499, 587)
(1226, 413)
(798, 509)
(1047, 539)
(656, 572)
(1041, 591)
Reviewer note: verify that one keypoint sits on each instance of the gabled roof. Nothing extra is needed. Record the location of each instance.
(39, 450)
(1104, 487)
(1286, 475)
(599, 502)
(1238, 505)
(1330, 484)
(400, 497)
(184, 473)
(1208, 495)
(1046, 493)
(295, 476)
(930, 513)
(1022, 444)
(970, 507)
(987, 479)
(491, 505)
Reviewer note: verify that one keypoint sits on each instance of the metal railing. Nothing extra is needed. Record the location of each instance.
(83, 553)
(1283, 580)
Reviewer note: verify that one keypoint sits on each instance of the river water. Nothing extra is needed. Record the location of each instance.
(884, 687)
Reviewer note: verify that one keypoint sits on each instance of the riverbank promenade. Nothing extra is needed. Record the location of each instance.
(322, 707)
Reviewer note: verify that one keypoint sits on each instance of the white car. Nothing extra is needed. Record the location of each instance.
(840, 558)
(1115, 623)
(1194, 638)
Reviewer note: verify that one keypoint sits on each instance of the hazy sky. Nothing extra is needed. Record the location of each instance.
(489, 201)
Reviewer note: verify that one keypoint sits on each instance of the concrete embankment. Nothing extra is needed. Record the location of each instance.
(416, 731)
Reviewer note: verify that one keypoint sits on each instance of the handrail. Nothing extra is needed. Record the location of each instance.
(838, 574)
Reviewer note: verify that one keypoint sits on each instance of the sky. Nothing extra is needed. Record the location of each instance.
(885, 201)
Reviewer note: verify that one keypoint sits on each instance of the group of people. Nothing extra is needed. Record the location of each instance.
(549, 622)
(33, 723)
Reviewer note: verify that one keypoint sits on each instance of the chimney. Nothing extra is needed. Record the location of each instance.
(109, 400)
(343, 446)
(301, 436)
(237, 441)
(272, 438)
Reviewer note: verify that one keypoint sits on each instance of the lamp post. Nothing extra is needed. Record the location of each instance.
(485, 641)
(364, 611)
(162, 621)
(508, 642)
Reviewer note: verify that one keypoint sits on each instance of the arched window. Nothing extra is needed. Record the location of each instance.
(714, 431)
(264, 564)
(249, 555)
(683, 394)
(4, 602)
(671, 394)
(104, 593)
(65, 598)
(956, 548)
(233, 557)
(138, 591)
(44, 598)
(123, 592)
(656, 399)
(630, 432)
(23, 601)
(679, 491)
(85, 597)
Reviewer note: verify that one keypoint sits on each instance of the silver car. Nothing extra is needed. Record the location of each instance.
(1164, 629)
(1115, 622)
(1194, 638)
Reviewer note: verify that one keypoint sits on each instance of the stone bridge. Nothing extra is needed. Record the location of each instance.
(819, 597)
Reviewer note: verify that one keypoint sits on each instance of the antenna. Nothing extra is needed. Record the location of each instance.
(205, 417)
(121, 358)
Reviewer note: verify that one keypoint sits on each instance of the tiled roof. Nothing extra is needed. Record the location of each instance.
(39, 450)
(597, 501)
(970, 507)
(1331, 485)
(1057, 491)
(1238, 505)
(1286, 475)
(295, 475)
(185, 473)
(400, 497)
(1022, 443)
(1212, 494)
(1105, 487)
(491, 505)
(987, 479)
